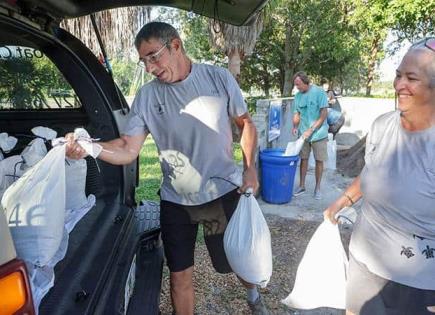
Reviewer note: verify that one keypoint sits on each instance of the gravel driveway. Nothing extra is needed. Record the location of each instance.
(222, 294)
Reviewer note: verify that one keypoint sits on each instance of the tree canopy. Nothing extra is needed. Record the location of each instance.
(337, 41)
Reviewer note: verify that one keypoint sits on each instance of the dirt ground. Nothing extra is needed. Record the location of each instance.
(222, 294)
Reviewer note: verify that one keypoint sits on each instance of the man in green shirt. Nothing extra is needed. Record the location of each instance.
(309, 121)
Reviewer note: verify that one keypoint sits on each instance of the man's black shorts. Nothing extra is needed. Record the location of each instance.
(179, 226)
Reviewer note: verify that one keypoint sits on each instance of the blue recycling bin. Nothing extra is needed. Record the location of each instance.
(277, 175)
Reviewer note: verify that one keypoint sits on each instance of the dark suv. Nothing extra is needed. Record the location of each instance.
(114, 260)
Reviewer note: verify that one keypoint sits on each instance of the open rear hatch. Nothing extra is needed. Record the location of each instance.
(236, 12)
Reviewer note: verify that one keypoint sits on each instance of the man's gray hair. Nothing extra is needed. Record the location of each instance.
(303, 76)
(420, 45)
(160, 31)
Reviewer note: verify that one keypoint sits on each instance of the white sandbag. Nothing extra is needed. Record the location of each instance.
(73, 216)
(44, 132)
(34, 152)
(332, 153)
(321, 275)
(35, 208)
(75, 177)
(247, 243)
(294, 147)
(10, 171)
(7, 143)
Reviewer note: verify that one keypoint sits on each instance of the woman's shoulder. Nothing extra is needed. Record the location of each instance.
(387, 119)
(385, 122)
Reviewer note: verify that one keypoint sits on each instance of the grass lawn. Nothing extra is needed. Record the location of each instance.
(150, 174)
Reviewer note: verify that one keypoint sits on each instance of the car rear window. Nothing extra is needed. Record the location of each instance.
(31, 81)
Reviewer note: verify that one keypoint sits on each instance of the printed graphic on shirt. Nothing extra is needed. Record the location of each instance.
(160, 109)
(407, 251)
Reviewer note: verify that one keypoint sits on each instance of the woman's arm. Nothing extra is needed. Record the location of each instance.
(350, 196)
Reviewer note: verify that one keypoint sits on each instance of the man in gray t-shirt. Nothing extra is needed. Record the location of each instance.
(188, 110)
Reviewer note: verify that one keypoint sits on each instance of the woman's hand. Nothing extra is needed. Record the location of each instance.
(332, 210)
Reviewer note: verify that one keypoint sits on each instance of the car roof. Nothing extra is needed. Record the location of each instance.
(236, 12)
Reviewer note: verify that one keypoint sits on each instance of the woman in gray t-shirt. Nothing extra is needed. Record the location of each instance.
(392, 249)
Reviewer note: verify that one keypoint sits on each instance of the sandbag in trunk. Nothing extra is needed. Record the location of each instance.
(35, 208)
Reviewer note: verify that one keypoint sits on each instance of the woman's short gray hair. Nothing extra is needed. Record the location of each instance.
(161, 31)
(420, 45)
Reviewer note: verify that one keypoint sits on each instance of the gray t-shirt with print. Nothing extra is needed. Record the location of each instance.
(395, 234)
(190, 122)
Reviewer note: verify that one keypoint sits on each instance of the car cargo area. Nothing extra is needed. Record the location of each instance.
(113, 255)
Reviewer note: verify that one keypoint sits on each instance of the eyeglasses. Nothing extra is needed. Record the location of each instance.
(151, 58)
(430, 43)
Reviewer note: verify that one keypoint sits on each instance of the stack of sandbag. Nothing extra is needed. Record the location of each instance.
(42, 207)
(36, 149)
(35, 208)
(8, 171)
(15, 166)
(7, 143)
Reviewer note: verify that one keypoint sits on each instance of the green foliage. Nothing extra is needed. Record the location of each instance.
(193, 30)
(27, 82)
(252, 103)
(237, 152)
(340, 41)
(197, 45)
(260, 71)
(129, 76)
(413, 19)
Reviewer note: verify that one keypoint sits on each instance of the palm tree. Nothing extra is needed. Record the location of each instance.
(236, 42)
(118, 28)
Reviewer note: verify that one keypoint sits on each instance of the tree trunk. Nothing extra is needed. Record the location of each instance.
(234, 60)
(266, 82)
(288, 73)
(372, 63)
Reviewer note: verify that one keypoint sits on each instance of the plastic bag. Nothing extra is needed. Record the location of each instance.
(7, 143)
(75, 176)
(332, 153)
(321, 275)
(247, 243)
(44, 132)
(86, 142)
(294, 147)
(10, 171)
(34, 152)
(35, 208)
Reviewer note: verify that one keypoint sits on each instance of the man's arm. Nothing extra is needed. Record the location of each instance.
(248, 143)
(296, 121)
(317, 124)
(121, 151)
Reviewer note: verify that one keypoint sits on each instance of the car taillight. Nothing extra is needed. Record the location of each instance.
(15, 294)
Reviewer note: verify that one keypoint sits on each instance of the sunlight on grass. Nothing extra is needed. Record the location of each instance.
(150, 174)
(237, 152)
